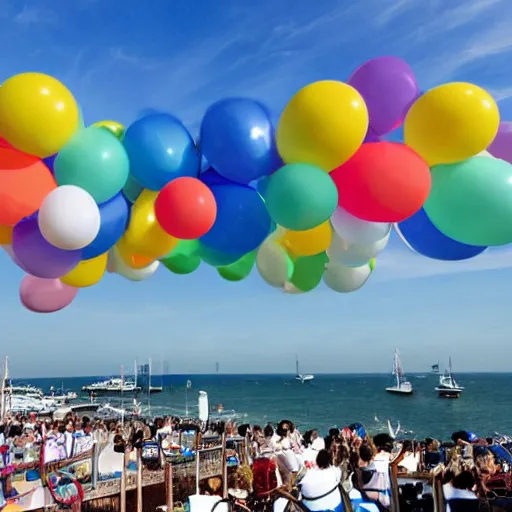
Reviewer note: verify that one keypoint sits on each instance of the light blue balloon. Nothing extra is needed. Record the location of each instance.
(94, 161)
(160, 149)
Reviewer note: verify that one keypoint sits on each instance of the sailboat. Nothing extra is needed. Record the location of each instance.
(300, 376)
(402, 385)
(448, 387)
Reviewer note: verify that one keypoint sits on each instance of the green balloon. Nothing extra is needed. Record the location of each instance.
(216, 258)
(300, 196)
(94, 161)
(239, 269)
(183, 259)
(308, 271)
(471, 201)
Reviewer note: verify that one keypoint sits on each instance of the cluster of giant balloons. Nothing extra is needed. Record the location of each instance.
(311, 198)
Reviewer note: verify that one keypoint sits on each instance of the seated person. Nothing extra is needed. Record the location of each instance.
(320, 486)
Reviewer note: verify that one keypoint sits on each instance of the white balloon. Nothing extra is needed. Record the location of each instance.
(358, 231)
(354, 255)
(69, 218)
(273, 263)
(343, 279)
(117, 265)
(291, 288)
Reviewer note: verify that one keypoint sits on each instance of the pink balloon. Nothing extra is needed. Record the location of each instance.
(45, 295)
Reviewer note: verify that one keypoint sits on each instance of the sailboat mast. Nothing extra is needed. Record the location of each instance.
(297, 364)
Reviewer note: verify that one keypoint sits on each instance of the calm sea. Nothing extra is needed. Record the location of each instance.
(337, 400)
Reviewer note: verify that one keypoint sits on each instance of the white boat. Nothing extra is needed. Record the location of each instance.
(448, 387)
(402, 385)
(299, 376)
(112, 386)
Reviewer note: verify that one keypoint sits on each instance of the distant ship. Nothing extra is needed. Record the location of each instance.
(448, 387)
(299, 376)
(402, 385)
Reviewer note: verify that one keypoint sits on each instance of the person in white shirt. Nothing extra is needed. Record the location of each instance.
(320, 486)
(462, 488)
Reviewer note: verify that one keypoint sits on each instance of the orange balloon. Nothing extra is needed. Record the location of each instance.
(136, 261)
(24, 182)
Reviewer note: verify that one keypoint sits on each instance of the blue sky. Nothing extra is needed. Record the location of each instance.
(119, 58)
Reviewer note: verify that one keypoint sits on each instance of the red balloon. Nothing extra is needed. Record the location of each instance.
(24, 182)
(383, 182)
(186, 208)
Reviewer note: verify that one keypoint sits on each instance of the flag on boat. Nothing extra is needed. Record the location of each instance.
(189, 384)
(435, 367)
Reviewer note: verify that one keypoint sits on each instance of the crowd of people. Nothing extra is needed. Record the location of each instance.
(348, 464)
(323, 473)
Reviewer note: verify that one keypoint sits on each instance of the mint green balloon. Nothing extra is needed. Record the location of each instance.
(308, 271)
(240, 269)
(132, 189)
(216, 258)
(183, 259)
(471, 201)
(300, 196)
(94, 161)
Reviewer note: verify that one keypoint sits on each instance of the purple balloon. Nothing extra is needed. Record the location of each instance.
(371, 137)
(501, 146)
(38, 257)
(389, 88)
(45, 295)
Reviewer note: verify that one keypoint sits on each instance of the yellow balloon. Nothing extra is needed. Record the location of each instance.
(135, 261)
(324, 124)
(451, 123)
(144, 236)
(114, 127)
(6, 235)
(308, 242)
(38, 114)
(87, 272)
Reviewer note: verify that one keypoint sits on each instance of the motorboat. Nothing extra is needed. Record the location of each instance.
(448, 387)
(112, 386)
(300, 376)
(402, 386)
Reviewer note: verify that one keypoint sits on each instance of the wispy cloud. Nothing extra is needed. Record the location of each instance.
(401, 263)
(34, 15)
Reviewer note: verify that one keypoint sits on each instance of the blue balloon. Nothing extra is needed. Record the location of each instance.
(420, 234)
(114, 215)
(204, 163)
(132, 189)
(216, 258)
(212, 178)
(242, 221)
(160, 149)
(238, 140)
(49, 162)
